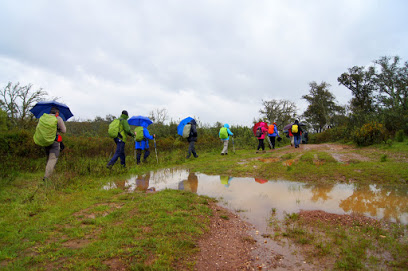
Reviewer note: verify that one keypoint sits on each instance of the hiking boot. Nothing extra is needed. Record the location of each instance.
(195, 155)
(222, 154)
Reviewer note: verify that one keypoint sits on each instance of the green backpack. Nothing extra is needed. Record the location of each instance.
(46, 130)
(223, 133)
(139, 133)
(114, 128)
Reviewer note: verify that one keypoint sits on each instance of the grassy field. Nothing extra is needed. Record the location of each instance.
(72, 223)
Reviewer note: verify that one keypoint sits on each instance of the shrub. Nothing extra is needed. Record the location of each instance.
(399, 136)
(370, 133)
(331, 135)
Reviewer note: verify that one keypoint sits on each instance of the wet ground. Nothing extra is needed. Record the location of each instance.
(257, 200)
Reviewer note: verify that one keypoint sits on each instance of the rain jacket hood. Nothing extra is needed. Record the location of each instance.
(226, 125)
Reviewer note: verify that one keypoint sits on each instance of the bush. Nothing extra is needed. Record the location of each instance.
(335, 134)
(370, 133)
(399, 136)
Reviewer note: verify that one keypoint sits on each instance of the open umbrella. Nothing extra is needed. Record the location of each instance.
(140, 121)
(45, 107)
(181, 125)
(257, 125)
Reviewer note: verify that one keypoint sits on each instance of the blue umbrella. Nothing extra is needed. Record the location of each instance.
(140, 121)
(183, 123)
(45, 107)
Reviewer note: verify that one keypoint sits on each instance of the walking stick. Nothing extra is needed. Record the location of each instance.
(155, 149)
(269, 140)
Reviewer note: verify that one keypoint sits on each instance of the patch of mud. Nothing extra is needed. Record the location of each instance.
(76, 244)
(88, 214)
(115, 264)
(335, 219)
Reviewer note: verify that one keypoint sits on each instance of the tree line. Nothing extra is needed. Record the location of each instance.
(379, 94)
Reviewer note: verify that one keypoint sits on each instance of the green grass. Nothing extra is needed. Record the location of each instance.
(72, 223)
(349, 247)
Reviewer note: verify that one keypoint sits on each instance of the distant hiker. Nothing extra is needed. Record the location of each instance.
(290, 135)
(273, 133)
(142, 137)
(192, 138)
(47, 134)
(260, 134)
(297, 132)
(118, 129)
(224, 134)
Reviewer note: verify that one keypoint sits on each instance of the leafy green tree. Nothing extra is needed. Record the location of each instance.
(3, 121)
(17, 100)
(280, 111)
(322, 110)
(392, 85)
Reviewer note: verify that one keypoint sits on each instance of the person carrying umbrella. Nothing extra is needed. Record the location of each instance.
(192, 138)
(142, 143)
(120, 140)
(224, 134)
(56, 123)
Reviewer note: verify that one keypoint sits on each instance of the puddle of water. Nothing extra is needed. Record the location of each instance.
(255, 198)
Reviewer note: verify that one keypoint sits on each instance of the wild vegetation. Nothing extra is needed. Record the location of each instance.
(70, 222)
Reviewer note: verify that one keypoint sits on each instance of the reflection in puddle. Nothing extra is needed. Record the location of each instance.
(257, 197)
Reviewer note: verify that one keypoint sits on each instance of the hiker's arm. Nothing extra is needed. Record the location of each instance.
(61, 125)
(126, 128)
(146, 134)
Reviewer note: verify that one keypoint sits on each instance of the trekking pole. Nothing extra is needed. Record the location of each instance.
(155, 149)
(233, 145)
(269, 140)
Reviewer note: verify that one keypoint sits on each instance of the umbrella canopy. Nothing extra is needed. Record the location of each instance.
(45, 107)
(287, 127)
(257, 125)
(140, 121)
(181, 125)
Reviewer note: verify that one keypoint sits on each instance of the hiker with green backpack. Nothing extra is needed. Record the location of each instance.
(47, 134)
(142, 137)
(118, 129)
(224, 134)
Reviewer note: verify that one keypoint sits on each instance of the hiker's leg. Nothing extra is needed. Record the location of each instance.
(138, 155)
(192, 147)
(116, 154)
(189, 149)
(122, 155)
(292, 140)
(146, 154)
(53, 155)
(273, 141)
(262, 144)
(259, 144)
(225, 149)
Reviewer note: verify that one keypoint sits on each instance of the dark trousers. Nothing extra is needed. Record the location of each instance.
(139, 154)
(191, 149)
(261, 144)
(272, 138)
(120, 153)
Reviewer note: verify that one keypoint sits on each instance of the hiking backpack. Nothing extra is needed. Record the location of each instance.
(295, 128)
(114, 128)
(258, 132)
(139, 133)
(186, 130)
(271, 129)
(46, 130)
(223, 133)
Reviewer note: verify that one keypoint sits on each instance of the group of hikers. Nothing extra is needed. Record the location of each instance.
(51, 126)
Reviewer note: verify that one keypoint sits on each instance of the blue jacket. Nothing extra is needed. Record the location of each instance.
(144, 144)
(275, 131)
(228, 130)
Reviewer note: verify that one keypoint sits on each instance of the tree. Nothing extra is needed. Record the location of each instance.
(280, 111)
(158, 115)
(360, 82)
(392, 86)
(17, 100)
(322, 110)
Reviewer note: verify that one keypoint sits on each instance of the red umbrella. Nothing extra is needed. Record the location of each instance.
(257, 125)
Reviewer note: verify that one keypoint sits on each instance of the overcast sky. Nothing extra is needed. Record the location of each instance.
(215, 60)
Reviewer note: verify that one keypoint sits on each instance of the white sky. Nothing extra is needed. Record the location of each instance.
(215, 60)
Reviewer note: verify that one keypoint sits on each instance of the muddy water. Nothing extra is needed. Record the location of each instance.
(255, 199)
